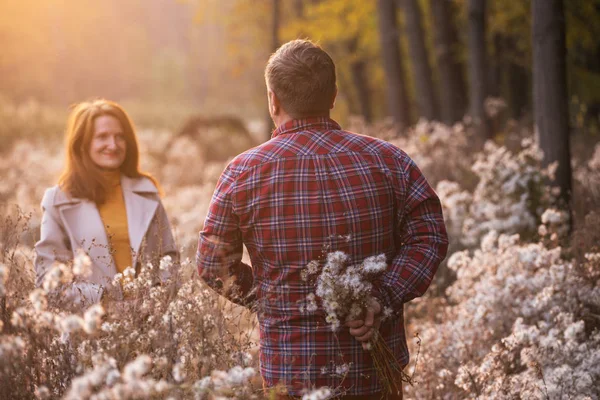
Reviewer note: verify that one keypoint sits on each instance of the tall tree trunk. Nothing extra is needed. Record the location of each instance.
(497, 66)
(299, 8)
(397, 98)
(425, 94)
(345, 85)
(359, 77)
(477, 65)
(276, 16)
(550, 89)
(518, 78)
(513, 78)
(453, 92)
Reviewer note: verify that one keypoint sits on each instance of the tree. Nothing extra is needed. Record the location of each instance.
(360, 79)
(397, 98)
(550, 89)
(347, 30)
(453, 96)
(477, 65)
(299, 8)
(276, 16)
(425, 95)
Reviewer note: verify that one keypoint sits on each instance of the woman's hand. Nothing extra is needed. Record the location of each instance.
(363, 330)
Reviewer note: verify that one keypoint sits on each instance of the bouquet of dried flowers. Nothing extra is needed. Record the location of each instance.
(345, 291)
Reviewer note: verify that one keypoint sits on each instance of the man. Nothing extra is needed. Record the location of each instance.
(312, 189)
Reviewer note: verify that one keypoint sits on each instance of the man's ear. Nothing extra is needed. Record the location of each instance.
(274, 103)
(335, 92)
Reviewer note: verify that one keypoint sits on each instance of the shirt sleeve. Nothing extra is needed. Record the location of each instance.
(220, 247)
(421, 239)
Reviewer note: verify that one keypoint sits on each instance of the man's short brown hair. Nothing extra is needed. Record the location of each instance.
(302, 76)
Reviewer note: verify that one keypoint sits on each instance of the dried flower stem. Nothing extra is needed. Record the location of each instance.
(389, 371)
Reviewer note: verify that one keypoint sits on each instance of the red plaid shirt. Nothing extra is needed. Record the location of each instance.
(312, 187)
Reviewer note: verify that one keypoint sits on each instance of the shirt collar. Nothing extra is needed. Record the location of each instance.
(312, 123)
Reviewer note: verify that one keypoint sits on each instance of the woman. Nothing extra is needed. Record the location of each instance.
(103, 204)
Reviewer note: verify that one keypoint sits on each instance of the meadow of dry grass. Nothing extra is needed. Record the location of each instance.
(514, 313)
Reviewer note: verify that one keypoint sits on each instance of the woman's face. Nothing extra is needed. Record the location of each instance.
(108, 147)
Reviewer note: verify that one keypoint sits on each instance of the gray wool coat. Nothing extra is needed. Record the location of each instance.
(69, 224)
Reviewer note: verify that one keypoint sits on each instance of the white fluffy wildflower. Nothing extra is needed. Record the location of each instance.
(513, 303)
(129, 273)
(202, 386)
(42, 393)
(11, 347)
(38, 299)
(162, 386)
(17, 318)
(117, 278)
(355, 312)
(313, 267)
(311, 304)
(71, 323)
(311, 307)
(375, 264)
(343, 289)
(387, 312)
(342, 370)
(242, 357)
(3, 278)
(165, 263)
(82, 264)
(463, 378)
(219, 380)
(57, 275)
(93, 318)
(509, 184)
(238, 375)
(85, 385)
(336, 260)
(46, 319)
(179, 372)
(323, 393)
(113, 377)
(137, 368)
(333, 321)
(552, 216)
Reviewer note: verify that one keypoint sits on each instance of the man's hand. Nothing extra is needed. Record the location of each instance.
(363, 330)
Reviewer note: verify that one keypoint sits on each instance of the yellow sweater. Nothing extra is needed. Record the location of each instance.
(114, 217)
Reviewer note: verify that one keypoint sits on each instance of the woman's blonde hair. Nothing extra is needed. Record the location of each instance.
(81, 177)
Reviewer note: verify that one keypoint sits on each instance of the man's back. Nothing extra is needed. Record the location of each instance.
(314, 189)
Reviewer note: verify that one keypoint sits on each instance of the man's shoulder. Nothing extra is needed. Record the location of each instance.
(337, 141)
(257, 155)
(377, 147)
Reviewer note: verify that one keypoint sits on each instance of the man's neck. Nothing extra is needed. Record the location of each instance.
(285, 118)
(282, 120)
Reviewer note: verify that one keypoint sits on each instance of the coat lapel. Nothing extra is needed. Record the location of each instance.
(84, 225)
(140, 209)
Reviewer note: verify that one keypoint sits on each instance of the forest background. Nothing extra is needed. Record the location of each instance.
(207, 57)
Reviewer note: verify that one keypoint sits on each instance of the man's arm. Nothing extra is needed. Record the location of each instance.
(422, 237)
(219, 256)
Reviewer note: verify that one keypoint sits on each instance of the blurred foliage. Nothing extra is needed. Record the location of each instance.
(28, 120)
(347, 29)
(34, 120)
(209, 55)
